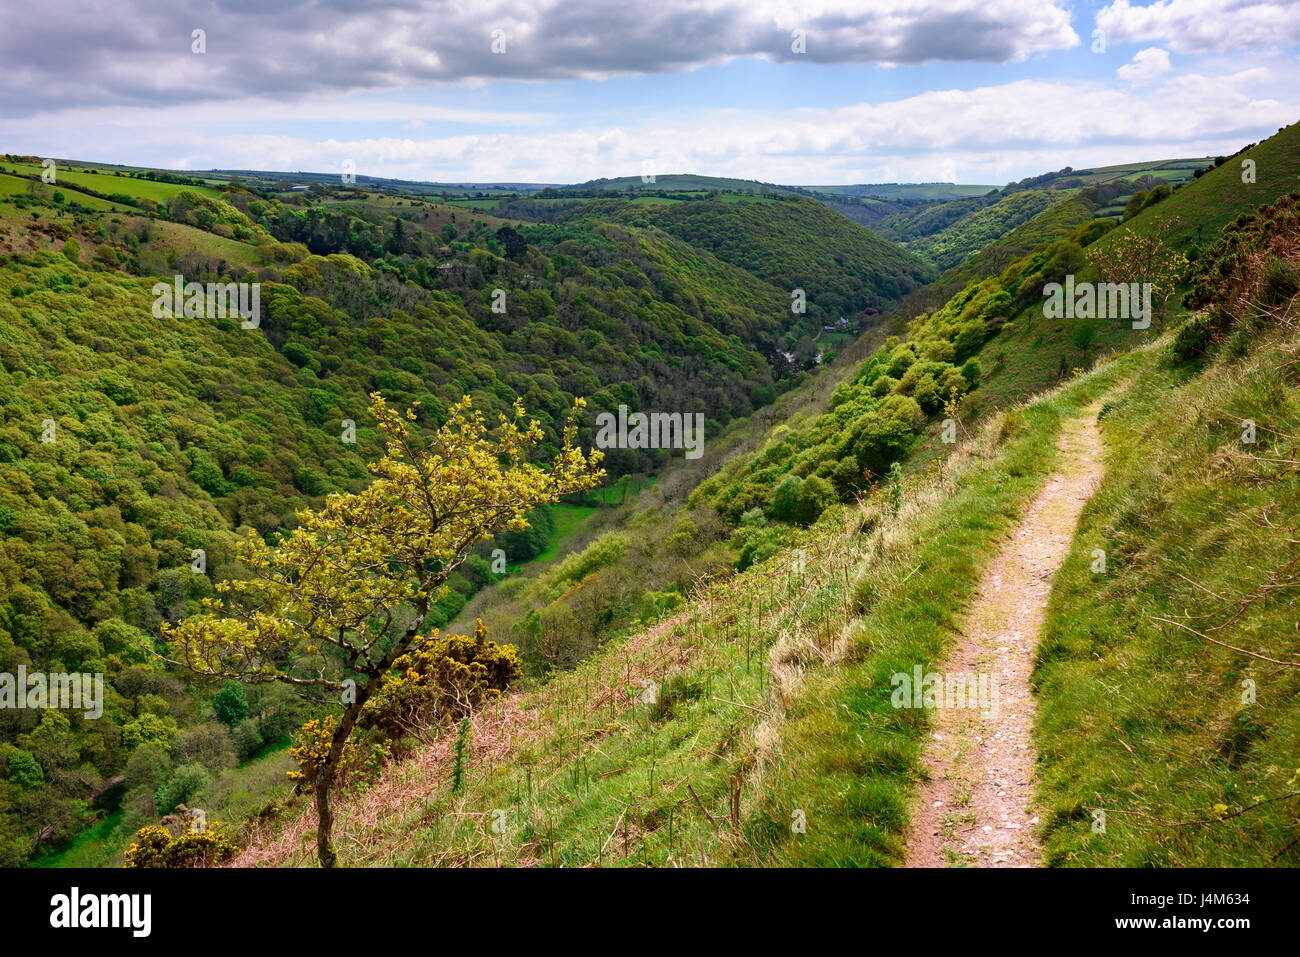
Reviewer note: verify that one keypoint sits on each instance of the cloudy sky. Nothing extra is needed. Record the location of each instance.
(560, 91)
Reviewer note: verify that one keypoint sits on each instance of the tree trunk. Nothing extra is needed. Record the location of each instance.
(325, 819)
(325, 781)
(325, 778)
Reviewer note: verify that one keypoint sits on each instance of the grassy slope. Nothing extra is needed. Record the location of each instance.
(568, 519)
(1206, 205)
(976, 230)
(105, 183)
(1174, 170)
(178, 238)
(1140, 716)
(13, 185)
(776, 686)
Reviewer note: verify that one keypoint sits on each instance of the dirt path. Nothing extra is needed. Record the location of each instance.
(975, 806)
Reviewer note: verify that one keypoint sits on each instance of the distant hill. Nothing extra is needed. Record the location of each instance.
(682, 182)
(976, 225)
(795, 243)
(905, 190)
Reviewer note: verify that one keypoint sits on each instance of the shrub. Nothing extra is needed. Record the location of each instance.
(786, 499)
(230, 704)
(815, 494)
(1135, 204)
(154, 846)
(756, 543)
(149, 728)
(440, 680)
(603, 551)
(313, 746)
(1193, 340)
(24, 770)
(183, 786)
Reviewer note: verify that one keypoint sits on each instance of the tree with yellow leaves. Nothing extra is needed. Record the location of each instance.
(346, 593)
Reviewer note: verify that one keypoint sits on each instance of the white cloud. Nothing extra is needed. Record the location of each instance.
(1146, 66)
(140, 53)
(988, 134)
(1204, 26)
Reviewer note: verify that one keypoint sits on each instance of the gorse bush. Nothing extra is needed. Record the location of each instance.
(154, 846)
(441, 680)
(311, 749)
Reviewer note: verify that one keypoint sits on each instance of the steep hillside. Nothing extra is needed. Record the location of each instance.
(1055, 222)
(1193, 214)
(975, 230)
(794, 244)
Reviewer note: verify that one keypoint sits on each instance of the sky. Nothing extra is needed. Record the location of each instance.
(563, 91)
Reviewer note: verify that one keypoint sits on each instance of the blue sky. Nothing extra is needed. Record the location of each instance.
(561, 91)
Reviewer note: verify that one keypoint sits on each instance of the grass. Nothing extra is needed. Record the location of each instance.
(93, 847)
(107, 183)
(14, 185)
(1194, 215)
(179, 238)
(568, 519)
(1142, 718)
(1037, 352)
(1172, 171)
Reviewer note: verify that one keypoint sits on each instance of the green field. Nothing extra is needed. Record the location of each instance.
(17, 185)
(1171, 171)
(568, 519)
(905, 190)
(109, 184)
